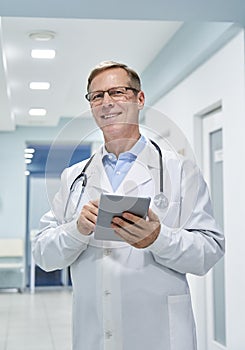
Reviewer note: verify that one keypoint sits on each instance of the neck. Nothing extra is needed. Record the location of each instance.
(118, 146)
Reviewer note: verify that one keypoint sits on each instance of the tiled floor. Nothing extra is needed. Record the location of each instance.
(40, 321)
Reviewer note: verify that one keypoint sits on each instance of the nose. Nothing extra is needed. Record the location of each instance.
(107, 99)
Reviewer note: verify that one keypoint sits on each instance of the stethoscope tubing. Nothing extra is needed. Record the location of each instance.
(160, 165)
(83, 177)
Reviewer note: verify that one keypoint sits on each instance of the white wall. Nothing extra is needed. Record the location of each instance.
(12, 167)
(221, 78)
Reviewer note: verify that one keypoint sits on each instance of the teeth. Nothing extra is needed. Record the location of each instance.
(108, 116)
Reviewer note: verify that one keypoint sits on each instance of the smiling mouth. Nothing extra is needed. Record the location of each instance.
(109, 116)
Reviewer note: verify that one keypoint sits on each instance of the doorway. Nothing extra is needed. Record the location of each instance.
(43, 181)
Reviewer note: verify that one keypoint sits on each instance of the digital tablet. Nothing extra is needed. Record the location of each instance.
(114, 205)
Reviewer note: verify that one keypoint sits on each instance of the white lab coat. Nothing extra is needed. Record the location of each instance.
(126, 298)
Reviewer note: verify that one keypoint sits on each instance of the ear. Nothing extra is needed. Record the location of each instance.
(141, 100)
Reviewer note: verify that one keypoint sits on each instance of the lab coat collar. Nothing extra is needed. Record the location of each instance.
(149, 155)
(147, 160)
(97, 177)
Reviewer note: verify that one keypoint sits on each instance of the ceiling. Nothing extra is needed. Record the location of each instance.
(80, 45)
(131, 32)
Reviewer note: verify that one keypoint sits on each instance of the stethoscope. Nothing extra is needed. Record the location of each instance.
(160, 200)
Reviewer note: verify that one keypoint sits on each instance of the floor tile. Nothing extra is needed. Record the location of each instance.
(40, 321)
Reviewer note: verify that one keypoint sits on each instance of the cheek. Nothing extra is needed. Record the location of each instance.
(129, 108)
(96, 113)
(131, 113)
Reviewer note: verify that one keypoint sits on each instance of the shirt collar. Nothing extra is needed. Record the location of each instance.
(135, 150)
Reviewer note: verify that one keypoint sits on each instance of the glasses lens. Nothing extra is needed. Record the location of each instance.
(97, 96)
(117, 93)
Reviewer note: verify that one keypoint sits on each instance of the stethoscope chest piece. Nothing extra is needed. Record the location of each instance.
(161, 201)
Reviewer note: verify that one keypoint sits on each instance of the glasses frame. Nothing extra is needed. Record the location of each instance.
(87, 96)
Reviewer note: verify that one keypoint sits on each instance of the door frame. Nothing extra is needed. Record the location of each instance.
(210, 124)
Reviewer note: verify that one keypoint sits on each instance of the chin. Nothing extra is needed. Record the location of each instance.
(113, 130)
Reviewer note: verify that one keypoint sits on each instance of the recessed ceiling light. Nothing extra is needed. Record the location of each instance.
(29, 150)
(43, 54)
(41, 85)
(28, 161)
(28, 155)
(44, 35)
(40, 112)
(27, 172)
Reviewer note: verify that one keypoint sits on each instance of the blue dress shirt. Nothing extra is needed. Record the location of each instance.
(117, 168)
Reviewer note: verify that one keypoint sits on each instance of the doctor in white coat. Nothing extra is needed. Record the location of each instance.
(130, 294)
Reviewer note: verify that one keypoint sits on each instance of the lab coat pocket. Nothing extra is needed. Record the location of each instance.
(181, 323)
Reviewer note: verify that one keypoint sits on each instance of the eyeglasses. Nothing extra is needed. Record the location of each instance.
(117, 93)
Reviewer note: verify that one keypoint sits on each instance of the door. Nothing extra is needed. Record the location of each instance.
(215, 279)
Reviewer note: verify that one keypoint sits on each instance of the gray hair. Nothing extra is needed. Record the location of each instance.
(106, 65)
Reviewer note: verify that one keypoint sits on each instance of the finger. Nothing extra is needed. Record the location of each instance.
(89, 216)
(135, 241)
(125, 235)
(95, 202)
(131, 228)
(137, 220)
(90, 207)
(126, 224)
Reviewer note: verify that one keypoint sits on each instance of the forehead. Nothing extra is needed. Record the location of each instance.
(109, 78)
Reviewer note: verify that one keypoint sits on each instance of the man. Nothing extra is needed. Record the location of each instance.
(130, 294)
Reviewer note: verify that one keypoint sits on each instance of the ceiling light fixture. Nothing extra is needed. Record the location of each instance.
(50, 54)
(43, 35)
(27, 161)
(29, 150)
(41, 85)
(40, 112)
(28, 155)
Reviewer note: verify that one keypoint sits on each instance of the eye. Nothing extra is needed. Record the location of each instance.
(117, 92)
(97, 95)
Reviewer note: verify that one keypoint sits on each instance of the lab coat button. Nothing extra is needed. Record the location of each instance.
(118, 172)
(108, 334)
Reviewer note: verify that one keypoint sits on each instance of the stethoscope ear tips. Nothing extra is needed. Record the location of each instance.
(161, 201)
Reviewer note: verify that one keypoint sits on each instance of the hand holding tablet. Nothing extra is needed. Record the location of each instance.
(114, 205)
